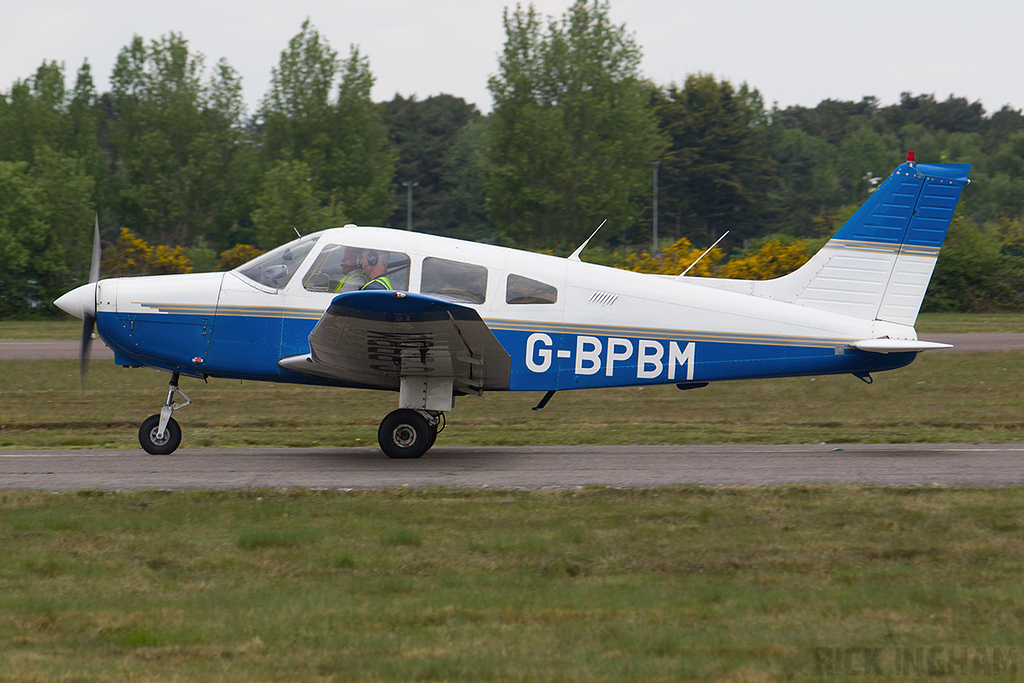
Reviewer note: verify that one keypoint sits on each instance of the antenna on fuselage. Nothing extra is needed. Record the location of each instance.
(703, 255)
(297, 231)
(575, 256)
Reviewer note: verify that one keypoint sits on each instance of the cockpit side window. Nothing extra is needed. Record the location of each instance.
(524, 290)
(386, 269)
(340, 268)
(454, 280)
(336, 269)
(276, 268)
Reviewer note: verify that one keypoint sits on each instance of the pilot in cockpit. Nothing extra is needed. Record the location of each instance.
(352, 277)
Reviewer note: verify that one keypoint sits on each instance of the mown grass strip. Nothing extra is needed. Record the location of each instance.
(447, 584)
(941, 397)
(63, 328)
(953, 323)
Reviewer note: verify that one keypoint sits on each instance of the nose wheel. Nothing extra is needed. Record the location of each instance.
(160, 434)
(408, 433)
(152, 441)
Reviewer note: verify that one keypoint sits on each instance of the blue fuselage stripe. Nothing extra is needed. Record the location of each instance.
(553, 358)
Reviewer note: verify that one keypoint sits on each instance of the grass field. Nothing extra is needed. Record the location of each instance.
(21, 330)
(941, 397)
(745, 584)
(939, 323)
(693, 583)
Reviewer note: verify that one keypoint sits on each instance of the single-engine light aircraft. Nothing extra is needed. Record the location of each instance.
(433, 318)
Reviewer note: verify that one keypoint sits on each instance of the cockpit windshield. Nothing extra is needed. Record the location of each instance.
(276, 268)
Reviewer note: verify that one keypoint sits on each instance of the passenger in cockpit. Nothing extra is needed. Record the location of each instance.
(375, 268)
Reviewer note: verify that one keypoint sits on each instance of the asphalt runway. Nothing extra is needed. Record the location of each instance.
(49, 349)
(550, 467)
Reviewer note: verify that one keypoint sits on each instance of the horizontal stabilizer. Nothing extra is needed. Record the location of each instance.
(886, 345)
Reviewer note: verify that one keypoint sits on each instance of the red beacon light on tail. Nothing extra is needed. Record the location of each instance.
(910, 156)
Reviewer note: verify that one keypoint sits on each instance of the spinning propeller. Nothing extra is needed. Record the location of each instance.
(81, 303)
(89, 316)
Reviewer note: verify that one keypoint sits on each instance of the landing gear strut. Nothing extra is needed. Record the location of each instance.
(407, 433)
(160, 434)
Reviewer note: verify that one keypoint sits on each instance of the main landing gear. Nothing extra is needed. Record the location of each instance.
(160, 434)
(407, 433)
(404, 433)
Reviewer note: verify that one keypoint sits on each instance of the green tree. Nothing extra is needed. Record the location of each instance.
(806, 176)
(1001, 125)
(32, 114)
(343, 143)
(362, 171)
(224, 162)
(572, 135)
(40, 117)
(865, 152)
(182, 172)
(1008, 233)
(425, 132)
(716, 174)
(289, 201)
(1009, 157)
(1001, 194)
(832, 120)
(64, 188)
(972, 274)
(41, 112)
(33, 260)
(462, 171)
(296, 112)
(955, 115)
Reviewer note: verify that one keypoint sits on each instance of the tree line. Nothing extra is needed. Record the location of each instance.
(170, 156)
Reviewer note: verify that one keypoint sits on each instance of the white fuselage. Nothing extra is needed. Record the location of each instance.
(592, 325)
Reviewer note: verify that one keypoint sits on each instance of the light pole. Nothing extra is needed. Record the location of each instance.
(654, 185)
(408, 203)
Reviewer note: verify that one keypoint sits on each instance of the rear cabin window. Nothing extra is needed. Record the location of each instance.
(524, 290)
(454, 280)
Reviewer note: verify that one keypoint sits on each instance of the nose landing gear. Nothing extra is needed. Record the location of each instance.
(160, 434)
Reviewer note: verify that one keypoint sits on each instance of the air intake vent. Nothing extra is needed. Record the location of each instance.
(603, 298)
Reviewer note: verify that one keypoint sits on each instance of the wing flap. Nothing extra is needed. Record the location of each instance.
(375, 338)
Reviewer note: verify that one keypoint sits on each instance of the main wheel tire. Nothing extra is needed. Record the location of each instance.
(170, 441)
(405, 434)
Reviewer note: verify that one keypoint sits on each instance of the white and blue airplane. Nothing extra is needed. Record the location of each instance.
(433, 318)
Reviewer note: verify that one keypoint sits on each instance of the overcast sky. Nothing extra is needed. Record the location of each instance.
(793, 51)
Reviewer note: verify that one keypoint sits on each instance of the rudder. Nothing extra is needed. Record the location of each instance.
(878, 265)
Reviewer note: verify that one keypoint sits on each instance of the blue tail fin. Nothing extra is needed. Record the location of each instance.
(878, 265)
